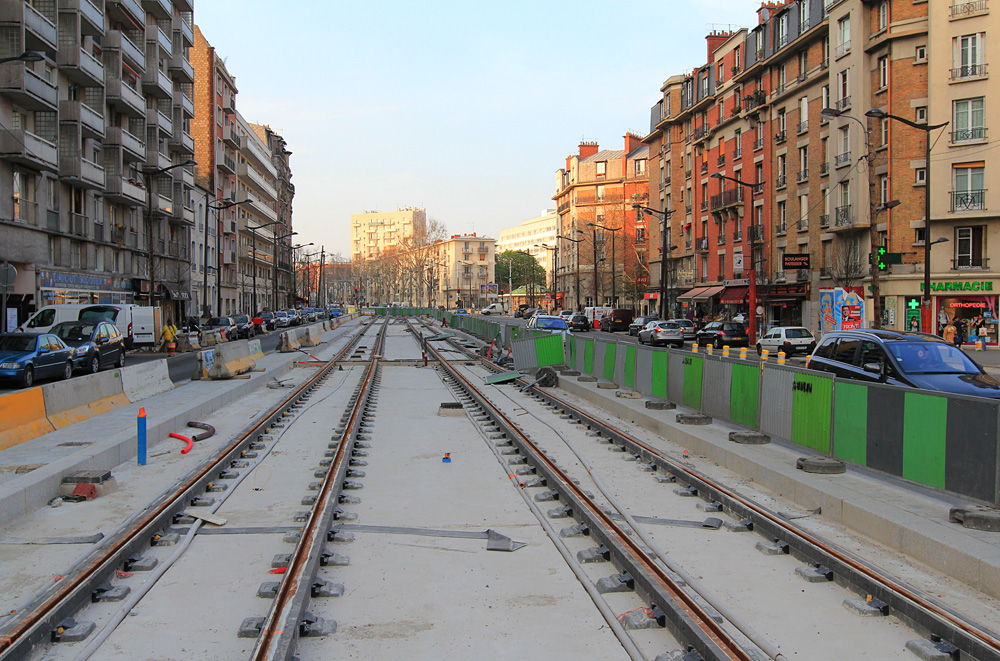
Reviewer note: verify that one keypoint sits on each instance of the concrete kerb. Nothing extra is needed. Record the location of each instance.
(32, 490)
(944, 546)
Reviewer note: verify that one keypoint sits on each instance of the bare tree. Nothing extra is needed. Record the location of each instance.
(847, 271)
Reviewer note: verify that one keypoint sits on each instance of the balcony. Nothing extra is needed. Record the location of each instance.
(184, 24)
(968, 200)
(28, 149)
(156, 159)
(803, 127)
(756, 233)
(229, 105)
(687, 174)
(779, 138)
(77, 112)
(842, 50)
(181, 68)
(961, 10)
(780, 181)
(156, 83)
(841, 160)
(844, 103)
(256, 181)
(178, 213)
(802, 275)
(225, 162)
(687, 209)
(780, 229)
(756, 98)
(843, 216)
(158, 8)
(701, 245)
(721, 239)
(824, 221)
(25, 211)
(802, 175)
(125, 99)
(79, 225)
(184, 175)
(131, 145)
(181, 141)
(704, 168)
(26, 88)
(974, 134)
(124, 191)
(39, 29)
(737, 236)
(90, 12)
(228, 257)
(163, 124)
(727, 198)
(721, 161)
(824, 168)
(154, 35)
(81, 173)
(969, 72)
(232, 138)
(263, 156)
(780, 276)
(80, 67)
(260, 207)
(132, 55)
(185, 103)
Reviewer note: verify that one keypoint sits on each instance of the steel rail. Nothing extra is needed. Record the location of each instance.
(670, 603)
(72, 592)
(282, 626)
(920, 611)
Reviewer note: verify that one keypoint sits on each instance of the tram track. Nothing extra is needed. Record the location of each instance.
(946, 628)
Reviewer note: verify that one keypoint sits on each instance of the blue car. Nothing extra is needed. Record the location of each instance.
(94, 345)
(335, 312)
(27, 356)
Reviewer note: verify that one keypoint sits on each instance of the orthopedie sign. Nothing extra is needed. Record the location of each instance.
(793, 262)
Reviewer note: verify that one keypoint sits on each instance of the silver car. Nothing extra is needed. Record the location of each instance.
(790, 339)
(662, 332)
(690, 332)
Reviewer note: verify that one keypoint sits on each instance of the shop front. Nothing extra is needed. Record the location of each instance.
(970, 305)
(60, 287)
(783, 304)
(734, 298)
(700, 303)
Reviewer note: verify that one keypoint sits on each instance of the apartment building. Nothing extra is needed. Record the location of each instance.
(282, 292)
(537, 237)
(602, 242)
(374, 232)
(103, 98)
(462, 271)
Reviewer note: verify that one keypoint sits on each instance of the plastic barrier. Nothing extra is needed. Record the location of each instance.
(145, 380)
(81, 398)
(543, 351)
(22, 417)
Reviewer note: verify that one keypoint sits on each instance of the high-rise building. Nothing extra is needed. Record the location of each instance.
(374, 232)
(532, 236)
(99, 113)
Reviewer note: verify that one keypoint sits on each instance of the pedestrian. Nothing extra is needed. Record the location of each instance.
(959, 332)
(169, 336)
(949, 332)
(943, 319)
(979, 333)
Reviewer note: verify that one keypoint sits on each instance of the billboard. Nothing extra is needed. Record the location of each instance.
(841, 308)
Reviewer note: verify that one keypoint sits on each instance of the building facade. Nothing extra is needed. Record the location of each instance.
(537, 237)
(462, 272)
(99, 129)
(285, 191)
(375, 232)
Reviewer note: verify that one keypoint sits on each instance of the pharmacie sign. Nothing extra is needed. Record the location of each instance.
(960, 285)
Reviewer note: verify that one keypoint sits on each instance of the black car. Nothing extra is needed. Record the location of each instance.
(902, 358)
(579, 322)
(244, 326)
(640, 322)
(270, 321)
(722, 333)
(618, 319)
(224, 324)
(519, 312)
(95, 345)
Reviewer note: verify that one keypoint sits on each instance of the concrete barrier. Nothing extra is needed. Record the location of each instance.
(311, 336)
(145, 380)
(230, 359)
(75, 400)
(22, 417)
(188, 342)
(288, 341)
(255, 349)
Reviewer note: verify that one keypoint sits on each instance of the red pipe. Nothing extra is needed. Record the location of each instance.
(190, 443)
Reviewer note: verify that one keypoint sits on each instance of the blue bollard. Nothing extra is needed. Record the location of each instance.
(141, 424)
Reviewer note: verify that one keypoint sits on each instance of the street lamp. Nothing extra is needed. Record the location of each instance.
(926, 322)
(218, 255)
(148, 175)
(664, 255)
(291, 257)
(253, 234)
(277, 238)
(752, 273)
(555, 267)
(613, 265)
(26, 56)
(577, 290)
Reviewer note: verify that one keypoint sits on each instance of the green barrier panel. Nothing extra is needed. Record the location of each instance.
(630, 367)
(588, 357)
(925, 422)
(694, 366)
(812, 400)
(744, 392)
(850, 422)
(549, 350)
(610, 355)
(659, 371)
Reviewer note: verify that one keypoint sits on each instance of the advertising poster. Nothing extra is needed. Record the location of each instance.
(842, 308)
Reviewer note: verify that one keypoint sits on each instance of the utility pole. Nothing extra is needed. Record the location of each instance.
(596, 304)
(321, 293)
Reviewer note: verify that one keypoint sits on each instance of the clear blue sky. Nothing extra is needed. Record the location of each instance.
(464, 108)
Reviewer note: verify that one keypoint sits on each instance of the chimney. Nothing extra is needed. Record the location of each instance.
(632, 142)
(715, 39)
(588, 149)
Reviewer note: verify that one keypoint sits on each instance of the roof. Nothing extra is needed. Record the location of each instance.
(604, 155)
(641, 152)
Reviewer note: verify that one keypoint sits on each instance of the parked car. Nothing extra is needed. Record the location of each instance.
(281, 319)
(224, 324)
(617, 320)
(721, 333)
(639, 323)
(901, 358)
(690, 330)
(335, 311)
(134, 322)
(309, 314)
(661, 332)
(461, 311)
(528, 313)
(244, 326)
(549, 322)
(27, 356)
(48, 316)
(494, 308)
(579, 322)
(270, 320)
(95, 344)
(519, 312)
(294, 318)
(567, 314)
(790, 339)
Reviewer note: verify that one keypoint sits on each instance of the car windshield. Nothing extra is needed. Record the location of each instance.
(241, 319)
(72, 331)
(797, 332)
(668, 324)
(267, 315)
(733, 328)
(931, 358)
(687, 323)
(580, 318)
(93, 315)
(218, 321)
(552, 323)
(17, 343)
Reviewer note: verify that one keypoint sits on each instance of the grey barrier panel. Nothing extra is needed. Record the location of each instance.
(644, 370)
(716, 387)
(675, 375)
(525, 356)
(776, 401)
(581, 349)
(620, 360)
(599, 352)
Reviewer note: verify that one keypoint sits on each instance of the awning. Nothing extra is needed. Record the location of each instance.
(176, 293)
(689, 296)
(707, 293)
(734, 295)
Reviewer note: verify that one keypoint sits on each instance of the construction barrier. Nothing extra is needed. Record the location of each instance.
(224, 361)
(75, 400)
(145, 380)
(23, 416)
(537, 352)
(188, 342)
(255, 349)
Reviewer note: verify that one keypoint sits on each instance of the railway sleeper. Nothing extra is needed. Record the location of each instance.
(594, 554)
(71, 631)
(616, 583)
(107, 592)
(934, 649)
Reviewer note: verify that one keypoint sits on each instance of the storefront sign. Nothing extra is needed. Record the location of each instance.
(960, 285)
(741, 282)
(82, 281)
(793, 262)
(642, 279)
(787, 290)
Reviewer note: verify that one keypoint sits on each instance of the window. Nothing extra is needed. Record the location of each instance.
(882, 21)
(640, 167)
(883, 72)
(883, 187)
(782, 76)
(968, 120)
(968, 54)
(803, 15)
(803, 212)
(920, 114)
(826, 99)
(968, 247)
(602, 168)
(782, 121)
(736, 58)
(721, 76)
(803, 64)
(968, 193)
(782, 216)
(843, 89)
(722, 267)
(803, 114)
(884, 131)
(846, 350)
(600, 192)
(782, 30)
(920, 54)
(844, 35)
(803, 159)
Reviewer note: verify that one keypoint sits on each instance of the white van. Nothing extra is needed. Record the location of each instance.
(48, 316)
(494, 308)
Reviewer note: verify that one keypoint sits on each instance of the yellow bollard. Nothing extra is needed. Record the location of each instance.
(694, 348)
(763, 355)
(743, 353)
(725, 350)
(708, 348)
(781, 357)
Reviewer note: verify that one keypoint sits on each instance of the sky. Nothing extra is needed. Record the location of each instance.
(466, 109)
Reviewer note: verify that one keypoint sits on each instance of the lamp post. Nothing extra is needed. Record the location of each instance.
(277, 238)
(26, 56)
(148, 174)
(555, 268)
(218, 253)
(576, 291)
(752, 273)
(253, 234)
(664, 255)
(926, 323)
(291, 257)
(614, 274)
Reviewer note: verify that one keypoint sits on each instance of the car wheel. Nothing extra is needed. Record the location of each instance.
(718, 343)
(121, 358)
(29, 376)
(759, 349)
(95, 364)
(68, 370)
